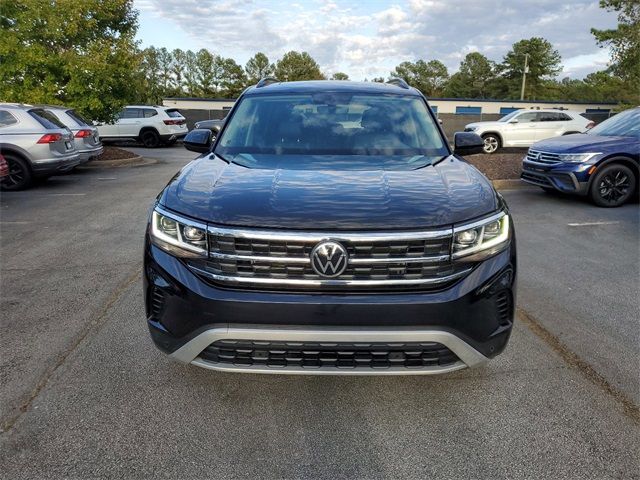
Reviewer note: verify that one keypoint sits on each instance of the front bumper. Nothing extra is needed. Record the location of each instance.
(562, 178)
(473, 318)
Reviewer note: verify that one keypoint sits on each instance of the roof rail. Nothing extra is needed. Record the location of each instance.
(267, 81)
(398, 82)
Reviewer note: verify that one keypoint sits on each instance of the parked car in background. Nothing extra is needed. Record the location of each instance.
(213, 125)
(35, 144)
(85, 135)
(151, 125)
(4, 168)
(522, 128)
(603, 163)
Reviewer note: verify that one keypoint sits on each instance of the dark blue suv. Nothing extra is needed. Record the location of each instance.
(330, 228)
(602, 163)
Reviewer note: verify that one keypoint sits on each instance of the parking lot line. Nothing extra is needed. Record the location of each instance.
(591, 224)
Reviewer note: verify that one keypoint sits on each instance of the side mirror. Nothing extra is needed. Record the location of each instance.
(198, 140)
(467, 143)
(515, 120)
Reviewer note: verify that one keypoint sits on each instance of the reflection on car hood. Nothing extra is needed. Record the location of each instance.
(211, 190)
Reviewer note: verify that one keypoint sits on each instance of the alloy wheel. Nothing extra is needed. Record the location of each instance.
(614, 186)
(490, 144)
(16, 174)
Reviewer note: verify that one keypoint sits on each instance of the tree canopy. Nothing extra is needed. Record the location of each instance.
(86, 58)
(295, 66)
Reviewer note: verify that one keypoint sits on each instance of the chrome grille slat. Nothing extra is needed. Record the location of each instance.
(248, 257)
(543, 158)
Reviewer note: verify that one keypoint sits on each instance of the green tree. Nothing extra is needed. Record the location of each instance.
(178, 60)
(428, 77)
(77, 53)
(298, 66)
(152, 89)
(258, 67)
(234, 79)
(624, 40)
(209, 70)
(474, 78)
(543, 64)
(190, 74)
(339, 76)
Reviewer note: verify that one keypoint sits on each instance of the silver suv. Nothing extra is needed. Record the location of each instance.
(85, 135)
(35, 144)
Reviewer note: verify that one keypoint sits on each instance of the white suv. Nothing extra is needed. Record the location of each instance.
(152, 125)
(522, 128)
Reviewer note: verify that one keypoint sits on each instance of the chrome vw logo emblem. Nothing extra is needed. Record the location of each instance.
(329, 259)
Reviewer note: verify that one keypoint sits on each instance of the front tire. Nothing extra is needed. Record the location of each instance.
(19, 177)
(613, 185)
(150, 138)
(491, 143)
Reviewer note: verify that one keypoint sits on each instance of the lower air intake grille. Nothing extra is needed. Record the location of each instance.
(333, 355)
(157, 302)
(503, 306)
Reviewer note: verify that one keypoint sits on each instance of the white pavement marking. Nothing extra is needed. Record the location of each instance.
(14, 223)
(590, 224)
(107, 178)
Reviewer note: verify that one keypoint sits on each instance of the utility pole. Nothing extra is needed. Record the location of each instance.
(524, 74)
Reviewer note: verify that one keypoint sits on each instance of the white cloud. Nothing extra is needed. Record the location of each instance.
(366, 39)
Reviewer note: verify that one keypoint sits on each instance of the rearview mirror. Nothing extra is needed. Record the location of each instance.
(467, 143)
(198, 140)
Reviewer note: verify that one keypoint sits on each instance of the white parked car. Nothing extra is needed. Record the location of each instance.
(152, 125)
(522, 128)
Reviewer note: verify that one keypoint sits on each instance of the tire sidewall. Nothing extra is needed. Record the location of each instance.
(147, 135)
(595, 185)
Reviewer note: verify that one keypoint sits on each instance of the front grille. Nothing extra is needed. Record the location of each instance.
(543, 157)
(311, 355)
(375, 261)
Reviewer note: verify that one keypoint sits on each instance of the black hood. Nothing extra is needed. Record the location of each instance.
(213, 191)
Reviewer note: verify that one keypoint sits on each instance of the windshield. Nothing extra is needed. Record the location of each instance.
(625, 124)
(509, 116)
(332, 130)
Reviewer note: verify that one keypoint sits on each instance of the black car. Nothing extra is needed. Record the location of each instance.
(329, 228)
(214, 125)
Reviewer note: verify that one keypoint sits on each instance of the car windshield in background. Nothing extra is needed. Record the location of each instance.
(174, 113)
(509, 116)
(625, 124)
(47, 119)
(333, 131)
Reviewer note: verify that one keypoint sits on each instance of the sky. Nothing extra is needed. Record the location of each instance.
(368, 38)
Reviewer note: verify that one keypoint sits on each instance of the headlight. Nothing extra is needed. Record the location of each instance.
(577, 157)
(178, 235)
(470, 129)
(481, 239)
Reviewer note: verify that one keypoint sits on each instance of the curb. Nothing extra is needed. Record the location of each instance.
(136, 161)
(511, 184)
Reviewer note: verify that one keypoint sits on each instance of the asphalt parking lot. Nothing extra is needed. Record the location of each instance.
(84, 394)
